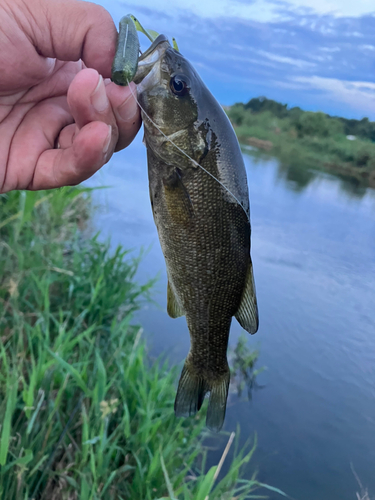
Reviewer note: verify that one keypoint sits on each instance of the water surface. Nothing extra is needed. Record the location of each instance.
(313, 248)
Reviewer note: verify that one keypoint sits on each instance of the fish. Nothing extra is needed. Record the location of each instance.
(200, 203)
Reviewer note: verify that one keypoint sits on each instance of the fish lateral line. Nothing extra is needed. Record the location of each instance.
(187, 156)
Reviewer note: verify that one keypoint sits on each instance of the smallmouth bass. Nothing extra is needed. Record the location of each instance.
(200, 203)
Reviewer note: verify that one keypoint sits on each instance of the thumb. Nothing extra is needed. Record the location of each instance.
(70, 30)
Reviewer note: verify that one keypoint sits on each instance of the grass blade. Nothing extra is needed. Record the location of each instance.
(6, 427)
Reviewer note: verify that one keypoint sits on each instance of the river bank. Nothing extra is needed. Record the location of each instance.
(85, 412)
(307, 140)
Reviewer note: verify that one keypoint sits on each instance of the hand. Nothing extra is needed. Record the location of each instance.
(59, 120)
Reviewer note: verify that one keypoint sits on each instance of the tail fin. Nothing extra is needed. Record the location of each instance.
(190, 395)
(217, 403)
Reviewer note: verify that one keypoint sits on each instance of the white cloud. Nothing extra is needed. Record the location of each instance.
(339, 8)
(330, 49)
(286, 60)
(355, 33)
(257, 10)
(357, 95)
(271, 56)
(287, 84)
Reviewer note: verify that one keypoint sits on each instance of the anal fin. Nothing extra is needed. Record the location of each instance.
(173, 307)
(247, 314)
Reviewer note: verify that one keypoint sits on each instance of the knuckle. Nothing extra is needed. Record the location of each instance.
(102, 15)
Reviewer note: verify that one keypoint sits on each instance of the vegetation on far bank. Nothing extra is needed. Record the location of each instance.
(305, 139)
(84, 412)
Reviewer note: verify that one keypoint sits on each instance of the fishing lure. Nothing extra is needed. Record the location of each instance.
(125, 63)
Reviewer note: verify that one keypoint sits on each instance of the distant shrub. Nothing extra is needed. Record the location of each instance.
(317, 125)
(237, 114)
(261, 104)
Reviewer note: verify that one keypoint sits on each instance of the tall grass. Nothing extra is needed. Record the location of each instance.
(84, 412)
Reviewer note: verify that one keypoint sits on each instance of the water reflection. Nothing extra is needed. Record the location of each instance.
(353, 187)
(298, 176)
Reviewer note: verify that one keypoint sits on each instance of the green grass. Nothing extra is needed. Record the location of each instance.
(84, 412)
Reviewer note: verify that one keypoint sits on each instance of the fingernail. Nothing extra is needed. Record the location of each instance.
(99, 97)
(107, 141)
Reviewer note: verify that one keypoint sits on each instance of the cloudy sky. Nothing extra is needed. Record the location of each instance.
(316, 54)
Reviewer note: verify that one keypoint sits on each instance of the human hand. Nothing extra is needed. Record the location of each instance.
(59, 121)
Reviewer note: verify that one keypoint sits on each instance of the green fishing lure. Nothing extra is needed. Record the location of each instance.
(125, 62)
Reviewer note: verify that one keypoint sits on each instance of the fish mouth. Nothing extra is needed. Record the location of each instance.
(160, 39)
(148, 72)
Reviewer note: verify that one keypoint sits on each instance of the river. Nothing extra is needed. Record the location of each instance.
(313, 249)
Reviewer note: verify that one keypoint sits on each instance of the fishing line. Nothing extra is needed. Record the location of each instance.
(185, 154)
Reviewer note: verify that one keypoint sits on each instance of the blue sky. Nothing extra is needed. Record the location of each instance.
(316, 54)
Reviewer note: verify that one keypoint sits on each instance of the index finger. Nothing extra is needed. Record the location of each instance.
(68, 167)
(70, 30)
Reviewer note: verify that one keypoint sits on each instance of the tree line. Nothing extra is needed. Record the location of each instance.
(306, 123)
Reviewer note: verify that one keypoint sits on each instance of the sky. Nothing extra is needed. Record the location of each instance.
(316, 54)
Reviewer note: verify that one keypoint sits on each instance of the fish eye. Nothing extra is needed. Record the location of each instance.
(179, 85)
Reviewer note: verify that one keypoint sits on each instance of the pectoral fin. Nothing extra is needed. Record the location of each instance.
(177, 199)
(173, 308)
(247, 314)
